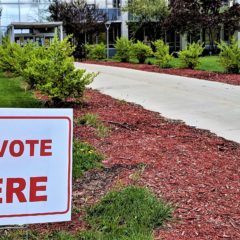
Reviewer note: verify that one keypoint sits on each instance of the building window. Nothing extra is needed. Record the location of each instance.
(117, 3)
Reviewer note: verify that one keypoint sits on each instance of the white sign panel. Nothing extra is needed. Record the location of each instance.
(35, 165)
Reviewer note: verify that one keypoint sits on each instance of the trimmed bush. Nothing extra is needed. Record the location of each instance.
(189, 57)
(230, 55)
(14, 58)
(55, 75)
(162, 54)
(123, 49)
(141, 51)
(95, 51)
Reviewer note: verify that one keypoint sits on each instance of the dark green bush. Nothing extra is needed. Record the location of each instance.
(230, 55)
(95, 51)
(189, 57)
(162, 54)
(141, 51)
(123, 49)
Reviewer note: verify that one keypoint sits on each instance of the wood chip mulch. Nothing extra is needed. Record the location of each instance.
(193, 169)
(196, 171)
(233, 79)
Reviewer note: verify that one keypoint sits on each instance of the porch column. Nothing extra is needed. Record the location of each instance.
(183, 41)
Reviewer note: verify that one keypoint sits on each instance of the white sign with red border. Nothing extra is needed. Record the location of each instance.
(35, 165)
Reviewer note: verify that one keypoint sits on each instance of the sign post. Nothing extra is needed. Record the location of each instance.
(35, 165)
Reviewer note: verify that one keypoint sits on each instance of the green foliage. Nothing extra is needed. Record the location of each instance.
(85, 158)
(123, 47)
(230, 55)
(94, 121)
(89, 119)
(14, 58)
(96, 51)
(131, 213)
(141, 51)
(162, 54)
(55, 75)
(190, 56)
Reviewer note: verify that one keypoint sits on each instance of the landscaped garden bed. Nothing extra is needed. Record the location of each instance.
(193, 169)
(233, 79)
(121, 154)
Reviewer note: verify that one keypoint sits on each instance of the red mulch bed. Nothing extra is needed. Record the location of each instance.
(193, 169)
(233, 79)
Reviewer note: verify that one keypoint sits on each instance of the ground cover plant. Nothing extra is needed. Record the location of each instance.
(131, 213)
(85, 157)
(94, 121)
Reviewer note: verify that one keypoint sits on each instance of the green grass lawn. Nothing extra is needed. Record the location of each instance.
(13, 94)
(209, 63)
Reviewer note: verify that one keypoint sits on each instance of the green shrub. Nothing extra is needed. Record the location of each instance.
(230, 55)
(95, 51)
(54, 73)
(14, 58)
(123, 49)
(8, 61)
(85, 158)
(189, 57)
(162, 54)
(131, 213)
(141, 51)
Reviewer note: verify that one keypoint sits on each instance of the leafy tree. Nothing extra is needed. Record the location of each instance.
(231, 19)
(147, 15)
(78, 17)
(193, 16)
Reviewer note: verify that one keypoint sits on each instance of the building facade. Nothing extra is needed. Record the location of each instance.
(36, 11)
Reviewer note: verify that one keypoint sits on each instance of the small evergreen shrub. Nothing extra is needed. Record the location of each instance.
(230, 55)
(123, 49)
(85, 158)
(8, 52)
(55, 75)
(162, 54)
(95, 51)
(141, 51)
(189, 57)
(14, 58)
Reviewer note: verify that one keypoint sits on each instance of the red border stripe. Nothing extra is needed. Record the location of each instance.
(69, 164)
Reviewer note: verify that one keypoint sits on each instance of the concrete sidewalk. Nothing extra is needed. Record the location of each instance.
(204, 104)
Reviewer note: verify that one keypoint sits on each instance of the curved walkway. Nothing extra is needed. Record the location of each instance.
(204, 104)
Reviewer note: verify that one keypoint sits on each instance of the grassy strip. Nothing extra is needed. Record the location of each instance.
(129, 214)
(209, 63)
(13, 94)
(85, 157)
(94, 121)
